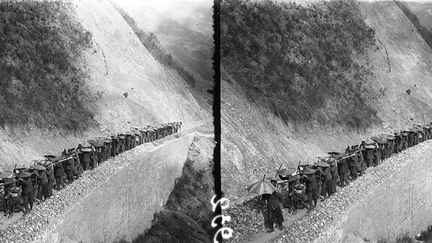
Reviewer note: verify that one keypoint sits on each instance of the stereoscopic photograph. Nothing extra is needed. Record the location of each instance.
(326, 113)
(106, 123)
(110, 127)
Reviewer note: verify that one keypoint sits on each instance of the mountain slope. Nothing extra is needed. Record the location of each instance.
(185, 31)
(253, 136)
(135, 90)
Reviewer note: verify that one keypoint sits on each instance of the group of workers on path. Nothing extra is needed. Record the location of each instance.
(23, 186)
(301, 187)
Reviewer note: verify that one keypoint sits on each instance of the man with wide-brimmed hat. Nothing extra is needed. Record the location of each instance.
(311, 187)
(59, 173)
(35, 183)
(320, 179)
(298, 196)
(68, 164)
(397, 142)
(106, 149)
(42, 182)
(362, 166)
(292, 181)
(27, 190)
(50, 176)
(335, 175)
(404, 140)
(115, 146)
(352, 161)
(391, 145)
(128, 141)
(412, 137)
(343, 172)
(377, 155)
(368, 153)
(326, 179)
(85, 155)
(122, 143)
(272, 202)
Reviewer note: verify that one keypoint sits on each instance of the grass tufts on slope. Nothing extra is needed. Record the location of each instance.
(41, 82)
(297, 60)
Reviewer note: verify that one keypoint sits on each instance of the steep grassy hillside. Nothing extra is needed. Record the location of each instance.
(42, 83)
(297, 60)
(123, 64)
(256, 140)
(132, 88)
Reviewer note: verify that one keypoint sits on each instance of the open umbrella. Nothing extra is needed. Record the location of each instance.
(261, 187)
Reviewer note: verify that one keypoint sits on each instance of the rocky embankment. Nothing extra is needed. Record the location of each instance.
(187, 215)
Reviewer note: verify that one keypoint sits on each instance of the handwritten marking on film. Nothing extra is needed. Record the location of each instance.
(225, 232)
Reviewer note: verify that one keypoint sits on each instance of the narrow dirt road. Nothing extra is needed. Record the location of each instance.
(41, 224)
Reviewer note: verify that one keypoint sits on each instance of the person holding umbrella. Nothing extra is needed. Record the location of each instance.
(273, 202)
(265, 189)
